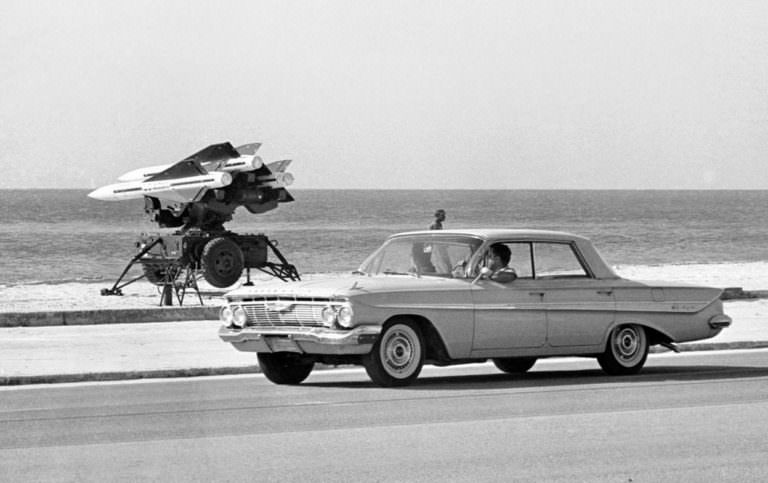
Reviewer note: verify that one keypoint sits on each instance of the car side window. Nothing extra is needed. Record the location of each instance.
(557, 260)
(520, 259)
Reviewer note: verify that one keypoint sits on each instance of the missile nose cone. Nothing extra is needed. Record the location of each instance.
(100, 194)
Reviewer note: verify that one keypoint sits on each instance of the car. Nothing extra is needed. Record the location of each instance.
(430, 297)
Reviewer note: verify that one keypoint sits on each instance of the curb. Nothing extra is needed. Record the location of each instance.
(128, 375)
(715, 346)
(108, 316)
(255, 369)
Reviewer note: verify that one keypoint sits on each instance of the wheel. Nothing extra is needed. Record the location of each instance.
(626, 351)
(514, 365)
(156, 273)
(285, 367)
(222, 262)
(397, 356)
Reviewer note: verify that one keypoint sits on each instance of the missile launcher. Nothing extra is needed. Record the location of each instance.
(198, 195)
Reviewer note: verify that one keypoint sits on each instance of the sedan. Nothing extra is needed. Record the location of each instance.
(457, 296)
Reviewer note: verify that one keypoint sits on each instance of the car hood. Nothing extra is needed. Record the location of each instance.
(347, 286)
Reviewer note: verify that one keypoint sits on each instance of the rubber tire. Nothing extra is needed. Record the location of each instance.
(222, 262)
(626, 350)
(284, 367)
(397, 356)
(514, 365)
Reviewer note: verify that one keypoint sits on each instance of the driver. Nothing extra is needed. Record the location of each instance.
(498, 259)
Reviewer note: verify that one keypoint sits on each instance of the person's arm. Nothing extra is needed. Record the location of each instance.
(504, 275)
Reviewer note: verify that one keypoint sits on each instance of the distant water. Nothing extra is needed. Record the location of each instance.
(56, 236)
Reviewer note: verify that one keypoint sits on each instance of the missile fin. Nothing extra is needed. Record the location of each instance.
(182, 169)
(214, 152)
(279, 166)
(248, 149)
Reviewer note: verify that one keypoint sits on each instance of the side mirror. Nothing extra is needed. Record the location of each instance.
(484, 273)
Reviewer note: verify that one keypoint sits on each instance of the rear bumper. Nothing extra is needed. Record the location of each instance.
(359, 340)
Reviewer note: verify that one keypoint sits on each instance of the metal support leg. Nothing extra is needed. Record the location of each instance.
(117, 288)
(166, 298)
(248, 282)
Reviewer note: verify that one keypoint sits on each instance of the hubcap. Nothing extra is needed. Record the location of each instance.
(627, 345)
(224, 263)
(400, 352)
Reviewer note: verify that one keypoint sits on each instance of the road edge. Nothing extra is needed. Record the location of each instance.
(255, 369)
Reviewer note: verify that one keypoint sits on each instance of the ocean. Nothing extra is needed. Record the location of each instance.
(62, 236)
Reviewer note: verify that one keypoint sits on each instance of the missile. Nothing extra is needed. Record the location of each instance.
(143, 173)
(185, 189)
(277, 177)
(234, 176)
(241, 163)
(203, 190)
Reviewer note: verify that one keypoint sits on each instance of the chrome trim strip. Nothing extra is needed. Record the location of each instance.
(669, 306)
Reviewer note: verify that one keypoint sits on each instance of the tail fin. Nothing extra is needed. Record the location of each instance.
(279, 166)
(248, 149)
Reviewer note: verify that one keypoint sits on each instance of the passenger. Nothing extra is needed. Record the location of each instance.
(422, 259)
(498, 257)
(439, 219)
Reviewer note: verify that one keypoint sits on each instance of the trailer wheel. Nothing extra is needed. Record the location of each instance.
(155, 273)
(222, 262)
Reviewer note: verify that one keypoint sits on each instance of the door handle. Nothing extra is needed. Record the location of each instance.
(540, 294)
(605, 292)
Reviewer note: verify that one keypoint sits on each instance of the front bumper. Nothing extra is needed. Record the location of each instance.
(315, 340)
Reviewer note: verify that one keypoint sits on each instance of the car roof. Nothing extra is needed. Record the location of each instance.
(598, 266)
(495, 233)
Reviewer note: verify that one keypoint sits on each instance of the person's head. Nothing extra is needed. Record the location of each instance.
(499, 256)
(440, 215)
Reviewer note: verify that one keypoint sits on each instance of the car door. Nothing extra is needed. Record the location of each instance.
(509, 315)
(579, 307)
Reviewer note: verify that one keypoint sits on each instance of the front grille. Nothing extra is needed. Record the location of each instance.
(297, 314)
(284, 311)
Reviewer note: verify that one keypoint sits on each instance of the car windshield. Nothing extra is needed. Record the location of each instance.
(426, 254)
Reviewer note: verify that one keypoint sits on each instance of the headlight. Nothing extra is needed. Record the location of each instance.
(225, 314)
(328, 316)
(239, 317)
(345, 316)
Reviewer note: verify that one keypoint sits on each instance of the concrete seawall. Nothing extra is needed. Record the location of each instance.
(117, 316)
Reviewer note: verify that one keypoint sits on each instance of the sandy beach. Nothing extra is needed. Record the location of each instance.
(87, 296)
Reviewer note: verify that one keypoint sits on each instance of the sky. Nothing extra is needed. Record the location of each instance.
(419, 94)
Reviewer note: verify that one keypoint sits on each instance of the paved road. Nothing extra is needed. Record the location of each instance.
(689, 417)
